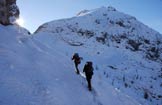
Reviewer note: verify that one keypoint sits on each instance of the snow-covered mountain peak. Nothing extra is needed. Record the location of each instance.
(104, 9)
(109, 12)
(101, 9)
(83, 12)
(110, 8)
(104, 24)
(128, 52)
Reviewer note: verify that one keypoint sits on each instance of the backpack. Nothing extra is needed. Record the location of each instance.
(77, 58)
(89, 68)
(89, 63)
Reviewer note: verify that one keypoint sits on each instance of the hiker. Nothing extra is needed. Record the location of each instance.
(88, 69)
(77, 61)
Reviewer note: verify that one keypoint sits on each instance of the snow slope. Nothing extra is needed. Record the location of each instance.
(126, 53)
(36, 73)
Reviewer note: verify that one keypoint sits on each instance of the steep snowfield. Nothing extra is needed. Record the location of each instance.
(126, 53)
(36, 73)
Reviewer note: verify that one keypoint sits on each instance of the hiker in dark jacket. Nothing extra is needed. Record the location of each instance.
(77, 61)
(88, 69)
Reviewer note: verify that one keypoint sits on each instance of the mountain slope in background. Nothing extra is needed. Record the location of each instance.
(110, 27)
(125, 52)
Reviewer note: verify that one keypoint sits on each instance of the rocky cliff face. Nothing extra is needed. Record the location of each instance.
(8, 12)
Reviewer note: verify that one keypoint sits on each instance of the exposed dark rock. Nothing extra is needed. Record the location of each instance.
(135, 45)
(9, 12)
(153, 53)
(120, 23)
(146, 95)
(86, 33)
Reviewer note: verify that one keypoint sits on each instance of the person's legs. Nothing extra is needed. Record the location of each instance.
(76, 66)
(89, 84)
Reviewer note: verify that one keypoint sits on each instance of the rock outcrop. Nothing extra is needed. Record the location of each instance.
(9, 11)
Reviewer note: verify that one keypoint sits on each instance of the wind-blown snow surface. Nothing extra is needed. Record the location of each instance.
(126, 53)
(36, 73)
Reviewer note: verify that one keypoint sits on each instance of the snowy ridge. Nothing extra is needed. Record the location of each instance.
(126, 53)
(85, 12)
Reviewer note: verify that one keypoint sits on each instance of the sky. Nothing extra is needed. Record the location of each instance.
(37, 12)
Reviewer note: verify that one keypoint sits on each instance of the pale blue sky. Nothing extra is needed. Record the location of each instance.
(37, 12)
